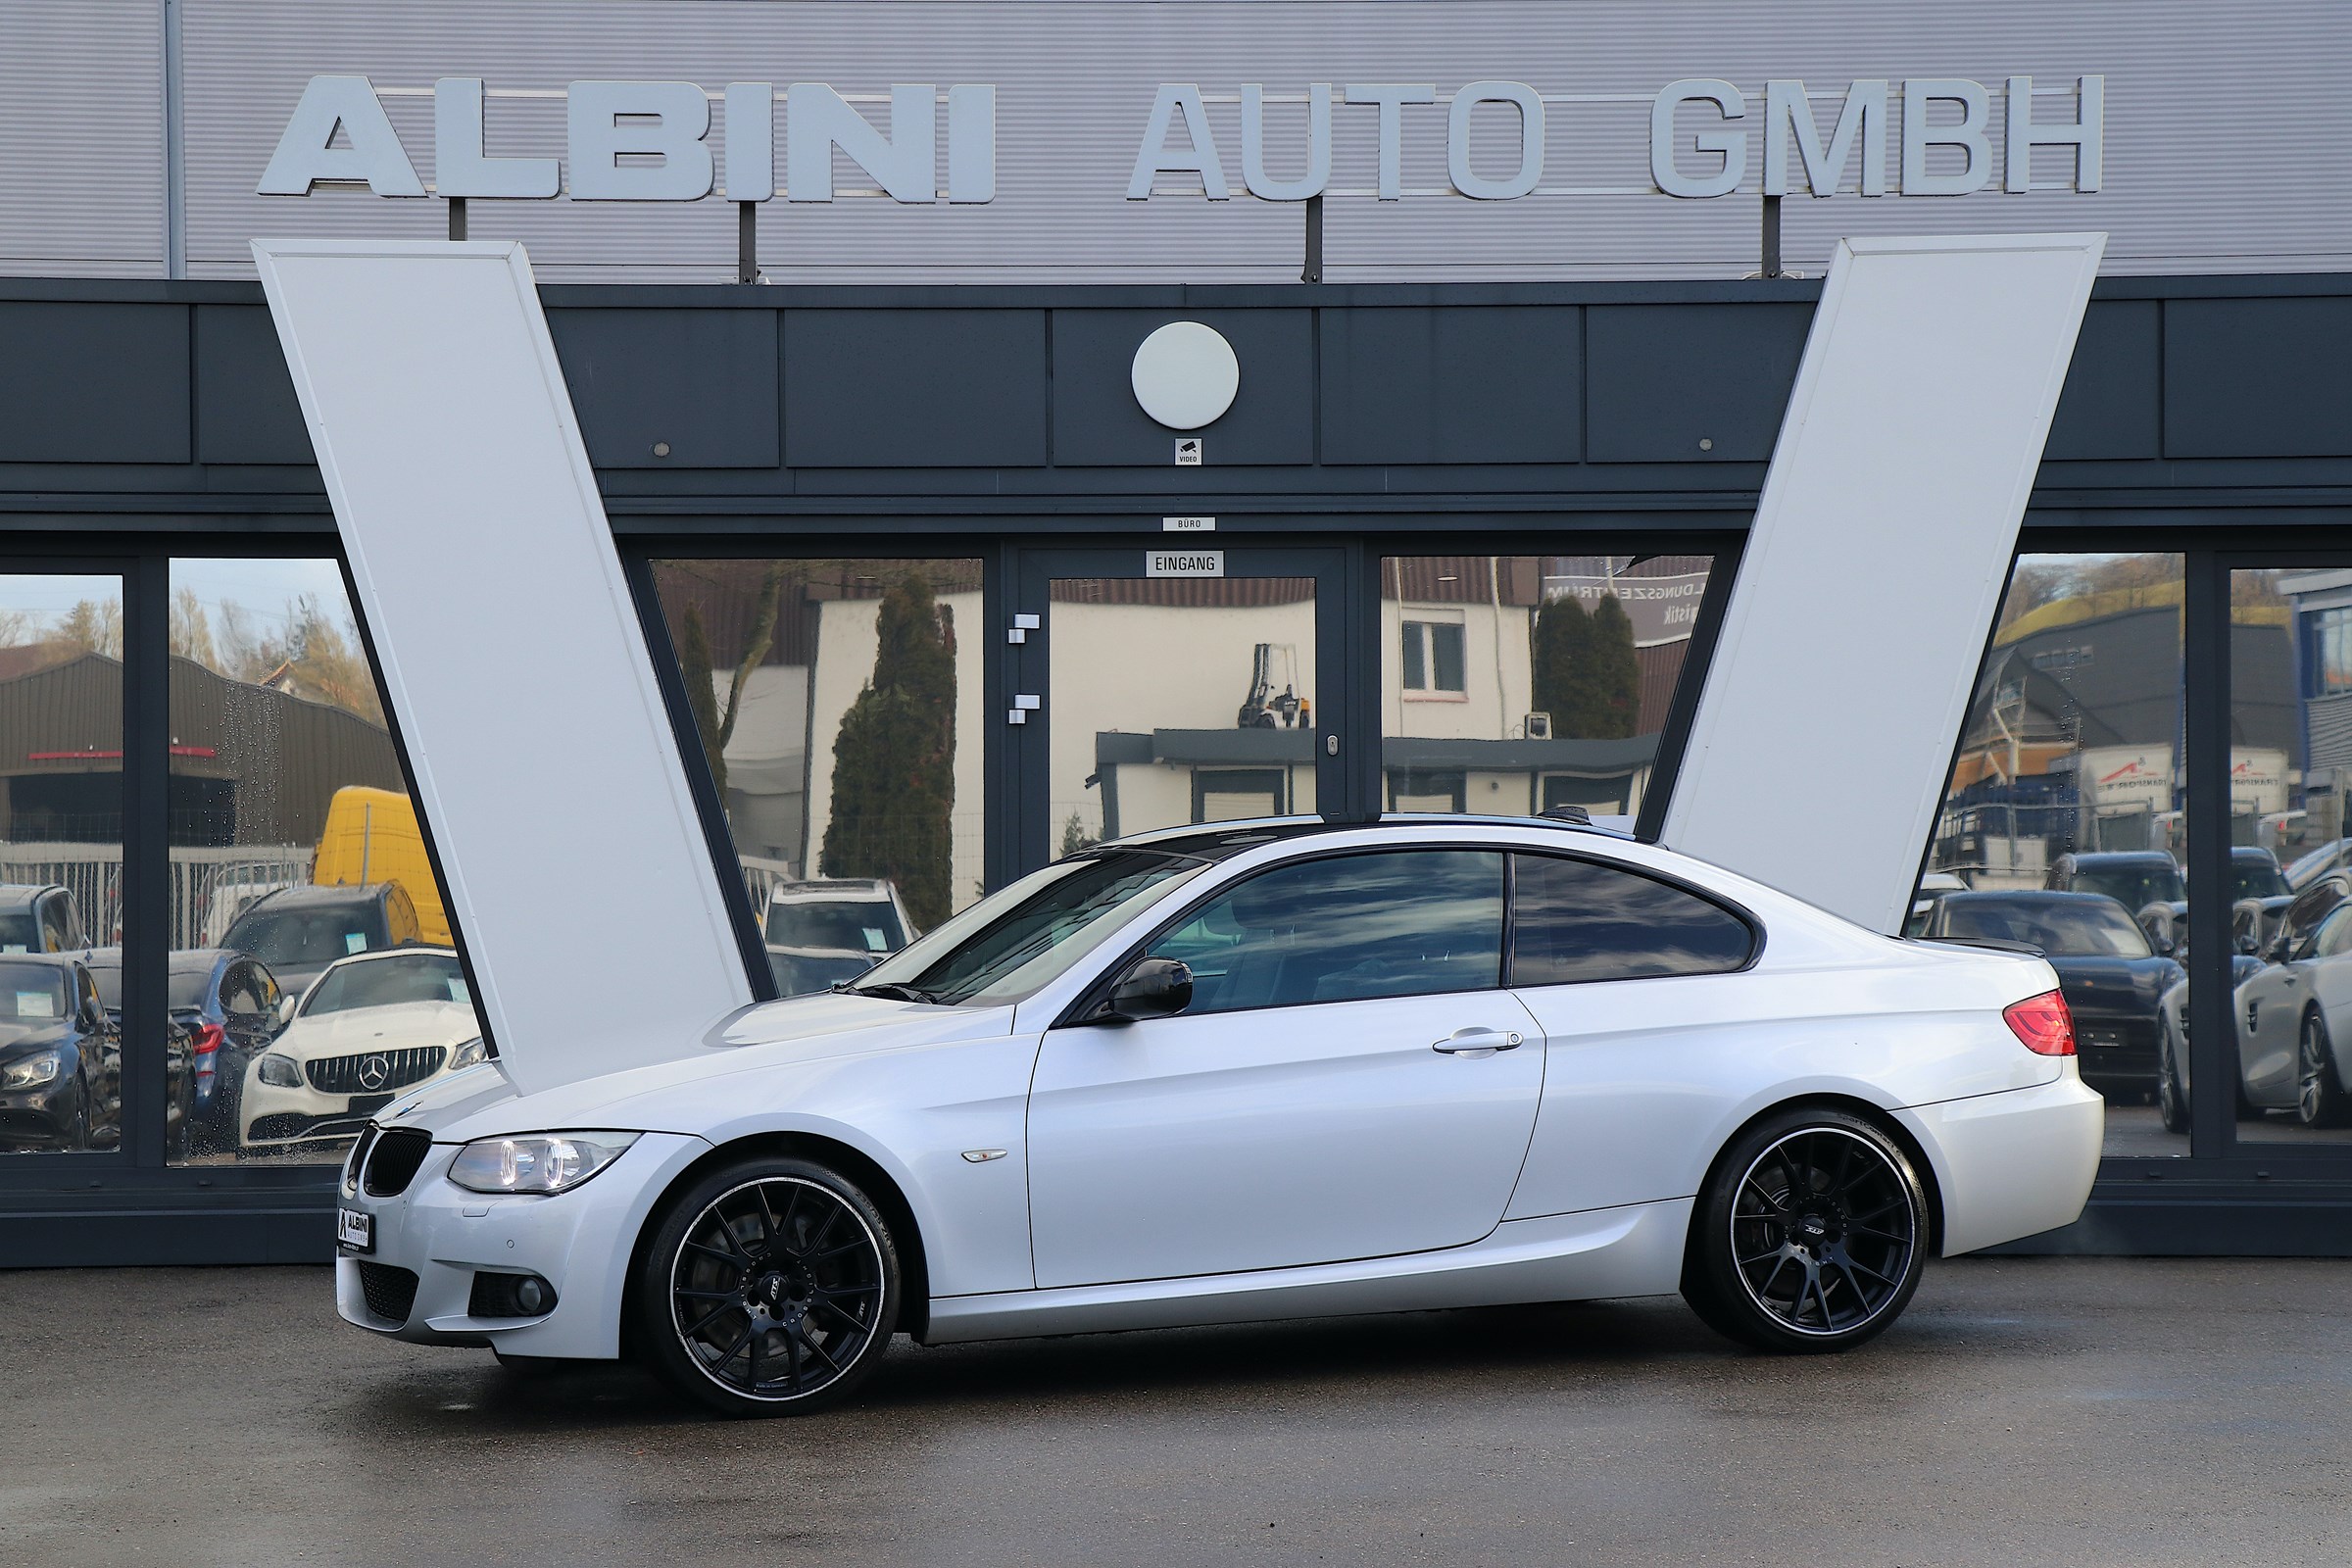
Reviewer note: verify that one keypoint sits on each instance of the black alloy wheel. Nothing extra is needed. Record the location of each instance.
(1809, 1235)
(2320, 1097)
(772, 1288)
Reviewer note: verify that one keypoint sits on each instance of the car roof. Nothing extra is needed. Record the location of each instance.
(2026, 896)
(16, 893)
(60, 961)
(310, 894)
(376, 953)
(1227, 837)
(2122, 856)
(833, 887)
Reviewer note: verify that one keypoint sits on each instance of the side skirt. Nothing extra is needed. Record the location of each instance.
(1636, 1249)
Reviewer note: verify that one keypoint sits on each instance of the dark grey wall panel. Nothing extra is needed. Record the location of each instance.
(93, 382)
(246, 411)
(1501, 383)
(1661, 378)
(2258, 378)
(1097, 420)
(701, 383)
(913, 389)
(2113, 403)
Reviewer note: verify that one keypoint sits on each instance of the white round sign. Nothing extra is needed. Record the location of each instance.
(1186, 375)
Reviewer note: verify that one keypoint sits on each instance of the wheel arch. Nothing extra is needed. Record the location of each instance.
(914, 1313)
(1930, 1181)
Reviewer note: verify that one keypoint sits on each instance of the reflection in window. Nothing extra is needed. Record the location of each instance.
(1517, 683)
(61, 861)
(1347, 928)
(840, 721)
(1573, 921)
(296, 861)
(2063, 826)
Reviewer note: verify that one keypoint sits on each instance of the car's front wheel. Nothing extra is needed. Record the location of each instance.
(769, 1286)
(2172, 1097)
(1809, 1234)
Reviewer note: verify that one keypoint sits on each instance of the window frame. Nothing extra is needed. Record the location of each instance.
(1756, 931)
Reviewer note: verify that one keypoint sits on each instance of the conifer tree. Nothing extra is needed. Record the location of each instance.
(894, 761)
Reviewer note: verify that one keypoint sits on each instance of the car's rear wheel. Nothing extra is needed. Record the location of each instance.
(2320, 1097)
(1809, 1234)
(769, 1286)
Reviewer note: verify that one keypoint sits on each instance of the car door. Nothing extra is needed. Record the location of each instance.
(2272, 1004)
(1652, 1032)
(1350, 1081)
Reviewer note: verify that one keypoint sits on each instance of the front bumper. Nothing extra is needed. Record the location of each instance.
(40, 1118)
(441, 1235)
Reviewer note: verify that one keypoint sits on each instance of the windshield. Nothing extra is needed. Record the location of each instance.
(2257, 879)
(846, 925)
(1017, 940)
(2309, 865)
(31, 993)
(2131, 885)
(17, 934)
(388, 982)
(2071, 930)
(293, 938)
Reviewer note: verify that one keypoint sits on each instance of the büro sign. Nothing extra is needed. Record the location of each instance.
(647, 140)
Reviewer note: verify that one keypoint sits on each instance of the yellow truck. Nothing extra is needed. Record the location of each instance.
(372, 836)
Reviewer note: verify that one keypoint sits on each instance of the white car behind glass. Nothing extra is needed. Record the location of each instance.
(369, 1026)
(1245, 1072)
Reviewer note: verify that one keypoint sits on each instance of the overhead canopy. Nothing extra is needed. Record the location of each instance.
(585, 896)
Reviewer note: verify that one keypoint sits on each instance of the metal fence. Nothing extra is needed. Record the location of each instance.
(207, 886)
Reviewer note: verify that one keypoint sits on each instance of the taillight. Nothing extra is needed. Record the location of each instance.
(2042, 1024)
(208, 1038)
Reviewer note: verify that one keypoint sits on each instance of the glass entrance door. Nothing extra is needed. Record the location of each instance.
(1168, 684)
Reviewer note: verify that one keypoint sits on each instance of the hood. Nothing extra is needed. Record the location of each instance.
(15, 1038)
(394, 1027)
(483, 1103)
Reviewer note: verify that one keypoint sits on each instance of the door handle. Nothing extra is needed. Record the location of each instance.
(1479, 1042)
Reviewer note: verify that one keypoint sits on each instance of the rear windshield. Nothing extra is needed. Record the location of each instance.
(2131, 885)
(869, 926)
(2072, 930)
(2257, 879)
(388, 982)
(31, 993)
(291, 938)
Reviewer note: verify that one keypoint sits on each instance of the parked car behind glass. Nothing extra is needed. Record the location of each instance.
(299, 931)
(38, 917)
(2133, 878)
(2113, 982)
(223, 1009)
(820, 933)
(61, 1061)
(372, 1025)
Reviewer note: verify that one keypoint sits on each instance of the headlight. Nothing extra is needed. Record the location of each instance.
(468, 1055)
(32, 1072)
(537, 1162)
(280, 1073)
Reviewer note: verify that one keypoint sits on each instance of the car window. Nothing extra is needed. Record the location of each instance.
(184, 990)
(388, 982)
(1022, 936)
(2304, 915)
(18, 933)
(242, 992)
(2130, 886)
(2334, 935)
(1346, 928)
(844, 925)
(1575, 920)
(2257, 879)
(2063, 929)
(33, 994)
(307, 936)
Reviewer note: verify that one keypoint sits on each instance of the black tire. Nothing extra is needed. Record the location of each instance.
(769, 1287)
(2172, 1101)
(1809, 1234)
(2320, 1097)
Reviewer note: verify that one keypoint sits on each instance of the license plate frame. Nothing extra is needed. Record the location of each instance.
(355, 1229)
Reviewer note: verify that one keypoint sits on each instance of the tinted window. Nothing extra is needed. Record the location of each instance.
(1412, 922)
(2063, 928)
(1573, 920)
(18, 933)
(313, 935)
(2130, 886)
(2334, 935)
(30, 994)
(847, 925)
(2257, 879)
(388, 982)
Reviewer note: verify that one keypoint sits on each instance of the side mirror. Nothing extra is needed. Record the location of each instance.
(1156, 987)
(285, 1008)
(2246, 943)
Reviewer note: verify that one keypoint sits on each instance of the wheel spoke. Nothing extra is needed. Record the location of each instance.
(801, 1334)
(751, 1365)
(856, 1323)
(721, 1365)
(708, 1296)
(712, 1316)
(733, 1259)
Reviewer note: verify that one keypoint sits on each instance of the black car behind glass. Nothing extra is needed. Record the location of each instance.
(2113, 981)
(299, 931)
(61, 1060)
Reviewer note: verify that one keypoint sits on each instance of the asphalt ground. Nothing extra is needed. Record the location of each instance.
(2025, 1410)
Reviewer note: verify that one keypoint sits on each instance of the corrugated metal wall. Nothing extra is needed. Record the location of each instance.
(2222, 129)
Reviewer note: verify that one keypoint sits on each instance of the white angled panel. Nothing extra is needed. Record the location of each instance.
(511, 652)
(1875, 564)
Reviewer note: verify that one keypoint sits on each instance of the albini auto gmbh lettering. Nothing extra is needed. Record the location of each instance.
(645, 141)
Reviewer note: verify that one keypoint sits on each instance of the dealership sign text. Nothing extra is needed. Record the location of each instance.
(645, 142)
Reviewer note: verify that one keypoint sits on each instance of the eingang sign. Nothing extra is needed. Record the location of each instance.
(645, 141)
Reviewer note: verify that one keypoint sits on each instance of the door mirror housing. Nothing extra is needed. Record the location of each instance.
(1154, 987)
(285, 1008)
